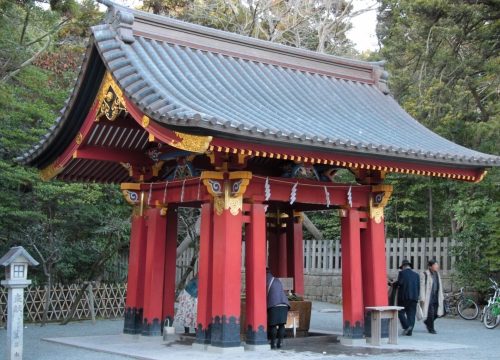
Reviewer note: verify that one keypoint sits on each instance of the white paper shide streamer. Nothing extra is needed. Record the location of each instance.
(349, 196)
(267, 192)
(150, 193)
(293, 193)
(327, 197)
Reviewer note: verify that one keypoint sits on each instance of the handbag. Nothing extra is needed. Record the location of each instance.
(168, 329)
(420, 314)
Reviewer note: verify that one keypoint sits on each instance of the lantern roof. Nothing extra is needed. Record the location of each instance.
(16, 252)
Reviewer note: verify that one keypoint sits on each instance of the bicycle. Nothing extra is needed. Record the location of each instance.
(460, 303)
(491, 312)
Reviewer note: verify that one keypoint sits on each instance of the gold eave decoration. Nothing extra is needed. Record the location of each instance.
(109, 99)
(378, 200)
(50, 172)
(227, 193)
(192, 143)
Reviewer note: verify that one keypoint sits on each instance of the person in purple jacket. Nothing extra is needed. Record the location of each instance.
(277, 310)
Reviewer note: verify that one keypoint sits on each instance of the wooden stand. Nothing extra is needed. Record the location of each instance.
(384, 312)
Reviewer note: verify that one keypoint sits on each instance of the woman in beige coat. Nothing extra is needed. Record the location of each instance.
(431, 295)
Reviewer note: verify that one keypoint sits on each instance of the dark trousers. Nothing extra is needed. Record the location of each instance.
(276, 331)
(407, 315)
(431, 315)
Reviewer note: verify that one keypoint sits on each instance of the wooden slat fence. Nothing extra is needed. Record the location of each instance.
(325, 256)
(109, 302)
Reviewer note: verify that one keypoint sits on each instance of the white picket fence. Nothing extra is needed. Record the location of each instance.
(325, 256)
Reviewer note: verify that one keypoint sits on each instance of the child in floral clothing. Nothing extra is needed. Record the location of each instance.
(188, 304)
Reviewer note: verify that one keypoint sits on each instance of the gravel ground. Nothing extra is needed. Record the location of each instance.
(476, 341)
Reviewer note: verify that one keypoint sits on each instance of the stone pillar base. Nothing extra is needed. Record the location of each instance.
(352, 342)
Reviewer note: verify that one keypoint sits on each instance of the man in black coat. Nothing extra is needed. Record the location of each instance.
(408, 285)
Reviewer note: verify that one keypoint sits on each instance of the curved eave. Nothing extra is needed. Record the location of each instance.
(73, 114)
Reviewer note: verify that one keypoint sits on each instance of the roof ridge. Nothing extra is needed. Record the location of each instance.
(123, 18)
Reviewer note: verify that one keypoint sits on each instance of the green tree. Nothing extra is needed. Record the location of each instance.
(444, 61)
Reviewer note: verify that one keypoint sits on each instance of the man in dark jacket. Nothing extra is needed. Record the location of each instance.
(408, 285)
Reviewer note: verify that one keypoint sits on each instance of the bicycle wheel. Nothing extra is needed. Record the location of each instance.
(490, 320)
(467, 309)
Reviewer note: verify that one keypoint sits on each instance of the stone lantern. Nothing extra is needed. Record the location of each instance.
(16, 263)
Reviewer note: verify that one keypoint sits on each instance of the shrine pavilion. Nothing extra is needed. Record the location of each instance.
(252, 133)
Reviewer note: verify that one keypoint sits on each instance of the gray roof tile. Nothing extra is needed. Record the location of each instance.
(184, 84)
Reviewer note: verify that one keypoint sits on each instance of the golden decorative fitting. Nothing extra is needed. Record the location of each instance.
(241, 158)
(378, 200)
(227, 193)
(79, 138)
(131, 197)
(128, 167)
(193, 143)
(145, 121)
(163, 211)
(110, 99)
(481, 177)
(130, 186)
(157, 167)
(50, 172)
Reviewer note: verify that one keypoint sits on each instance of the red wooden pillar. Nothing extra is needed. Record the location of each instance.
(374, 271)
(374, 264)
(255, 259)
(226, 278)
(135, 279)
(205, 261)
(295, 256)
(273, 246)
(352, 290)
(281, 234)
(155, 270)
(170, 265)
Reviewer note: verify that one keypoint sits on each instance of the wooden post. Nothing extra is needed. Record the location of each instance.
(255, 259)
(295, 252)
(226, 278)
(155, 270)
(352, 288)
(136, 273)
(205, 263)
(170, 266)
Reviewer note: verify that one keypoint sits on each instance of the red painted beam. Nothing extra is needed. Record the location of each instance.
(308, 192)
(340, 159)
(115, 155)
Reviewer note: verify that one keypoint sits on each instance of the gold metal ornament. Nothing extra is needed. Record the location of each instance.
(227, 193)
(79, 138)
(193, 143)
(110, 99)
(145, 121)
(50, 172)
(377, 208)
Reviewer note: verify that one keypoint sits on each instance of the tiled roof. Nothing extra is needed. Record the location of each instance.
(188, 76)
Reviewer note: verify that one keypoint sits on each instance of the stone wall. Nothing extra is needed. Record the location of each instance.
(328, 287)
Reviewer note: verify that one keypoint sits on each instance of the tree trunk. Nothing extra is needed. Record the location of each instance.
(431, 215)
(315, 232)
(48, 295)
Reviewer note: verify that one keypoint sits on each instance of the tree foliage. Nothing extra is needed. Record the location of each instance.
(443, 57)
